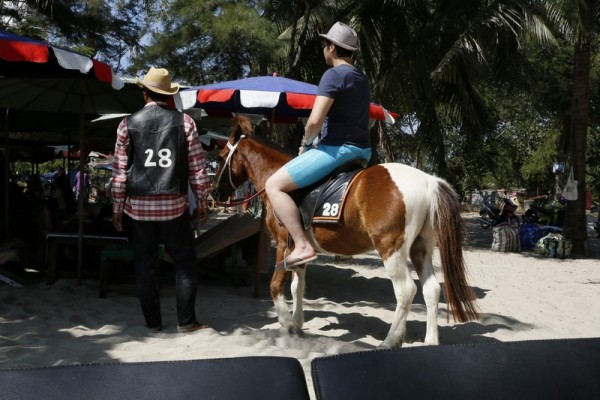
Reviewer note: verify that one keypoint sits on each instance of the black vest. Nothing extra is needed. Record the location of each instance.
(158, 154)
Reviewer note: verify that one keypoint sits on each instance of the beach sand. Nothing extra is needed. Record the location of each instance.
(348, 308)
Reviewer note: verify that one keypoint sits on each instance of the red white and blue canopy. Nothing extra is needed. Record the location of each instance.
(36, 76)
(276, 97)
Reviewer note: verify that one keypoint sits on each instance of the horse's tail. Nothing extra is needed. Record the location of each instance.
(450, 231)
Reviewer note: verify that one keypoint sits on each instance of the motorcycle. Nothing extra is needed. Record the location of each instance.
(546, 210)
(491, 216)
(596, 224)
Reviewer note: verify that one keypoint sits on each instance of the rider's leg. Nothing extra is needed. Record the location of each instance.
(300, 172)
(277, 188)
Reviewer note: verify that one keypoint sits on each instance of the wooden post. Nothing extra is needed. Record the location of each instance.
(5, 177)
(80, 199)
(262, 256)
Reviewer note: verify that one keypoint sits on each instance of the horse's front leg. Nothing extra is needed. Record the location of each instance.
(293, 322)
(297, 288)
(277, 294)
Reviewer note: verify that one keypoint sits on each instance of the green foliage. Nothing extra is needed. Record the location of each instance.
(208, 41)
(484, 87)
(108, 30)
(593, 164)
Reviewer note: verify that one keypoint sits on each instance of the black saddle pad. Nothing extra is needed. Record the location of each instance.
(323, 201)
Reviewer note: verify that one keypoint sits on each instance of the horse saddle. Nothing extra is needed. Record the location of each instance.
(323, 201)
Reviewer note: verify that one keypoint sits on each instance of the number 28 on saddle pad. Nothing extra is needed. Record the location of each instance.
(323, 202)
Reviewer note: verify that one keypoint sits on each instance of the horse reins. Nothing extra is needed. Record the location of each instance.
(234, 202)
(237, 202)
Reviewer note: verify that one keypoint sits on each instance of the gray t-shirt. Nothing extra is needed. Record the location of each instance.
(348, 119)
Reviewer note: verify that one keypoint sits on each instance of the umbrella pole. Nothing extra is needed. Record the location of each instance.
(6, 180)
(69, 163)
(271, 124)
(80, 182)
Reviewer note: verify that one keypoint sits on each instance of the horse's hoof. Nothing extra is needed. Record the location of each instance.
(294, 331)
(388, 346)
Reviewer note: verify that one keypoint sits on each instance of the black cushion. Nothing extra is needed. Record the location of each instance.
(542, 369)
(222, 379)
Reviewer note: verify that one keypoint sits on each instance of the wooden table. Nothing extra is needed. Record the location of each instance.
(53, 239)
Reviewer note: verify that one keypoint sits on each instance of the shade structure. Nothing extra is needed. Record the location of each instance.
(274, 97)
(52, 129)
(211, 140)
(28, 151)
(38, 77)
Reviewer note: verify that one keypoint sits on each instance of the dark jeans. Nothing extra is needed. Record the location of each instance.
(177, 237)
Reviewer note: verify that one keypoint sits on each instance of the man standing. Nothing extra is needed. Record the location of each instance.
(62, 182)
(157, 153)
(82, 185)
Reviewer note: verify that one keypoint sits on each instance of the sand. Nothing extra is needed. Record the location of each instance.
(348, 308)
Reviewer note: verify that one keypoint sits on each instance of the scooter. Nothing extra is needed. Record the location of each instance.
(596, 224)
(546, 210)
(492, 216)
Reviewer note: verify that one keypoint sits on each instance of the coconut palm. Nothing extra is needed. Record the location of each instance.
(579, 21)
(426, 58)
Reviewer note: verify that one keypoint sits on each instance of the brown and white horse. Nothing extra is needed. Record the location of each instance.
(392, 208)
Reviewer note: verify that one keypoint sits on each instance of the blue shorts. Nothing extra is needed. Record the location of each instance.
(316, 164)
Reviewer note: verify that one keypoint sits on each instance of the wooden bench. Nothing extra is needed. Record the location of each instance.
(229, 236)
(54, 239)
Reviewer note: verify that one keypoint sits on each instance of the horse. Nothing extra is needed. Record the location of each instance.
(392, 208)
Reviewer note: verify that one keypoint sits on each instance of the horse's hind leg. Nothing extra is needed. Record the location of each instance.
(404, 289)
(421, 255)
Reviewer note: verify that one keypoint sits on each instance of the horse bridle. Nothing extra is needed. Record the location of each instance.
(232, 148)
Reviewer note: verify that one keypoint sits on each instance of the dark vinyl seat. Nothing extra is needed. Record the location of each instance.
(541, 369)
(223, 379)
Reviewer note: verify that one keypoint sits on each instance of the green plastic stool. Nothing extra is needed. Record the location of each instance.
(116, 252)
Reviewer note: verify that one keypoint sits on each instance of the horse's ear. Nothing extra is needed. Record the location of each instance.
(241, 126)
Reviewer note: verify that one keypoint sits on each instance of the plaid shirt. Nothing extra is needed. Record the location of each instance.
(159, 207)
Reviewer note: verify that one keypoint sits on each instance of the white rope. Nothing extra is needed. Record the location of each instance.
(232, 149)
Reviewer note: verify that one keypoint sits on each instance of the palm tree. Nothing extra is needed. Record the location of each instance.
(424, 58)
(429, 58)
(579, 22)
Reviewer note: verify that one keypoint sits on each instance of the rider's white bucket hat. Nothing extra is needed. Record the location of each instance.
(342, 35)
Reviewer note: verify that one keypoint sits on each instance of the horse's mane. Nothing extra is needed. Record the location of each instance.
(242, 126)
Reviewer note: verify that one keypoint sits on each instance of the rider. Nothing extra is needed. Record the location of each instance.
(341, 115)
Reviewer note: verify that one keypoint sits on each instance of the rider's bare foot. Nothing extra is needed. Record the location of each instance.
(296, 258)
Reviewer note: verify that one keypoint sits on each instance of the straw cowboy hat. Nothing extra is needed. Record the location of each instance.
(158, 80)
(342, 35)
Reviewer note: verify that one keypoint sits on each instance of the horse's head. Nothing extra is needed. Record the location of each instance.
(231, 171)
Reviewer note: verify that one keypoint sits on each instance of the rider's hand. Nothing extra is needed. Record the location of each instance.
(303, 149)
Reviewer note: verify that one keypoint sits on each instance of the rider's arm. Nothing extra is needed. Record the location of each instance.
(316, 118)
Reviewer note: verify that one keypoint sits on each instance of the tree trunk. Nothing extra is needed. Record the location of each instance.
(575, 226)
(385, 144)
